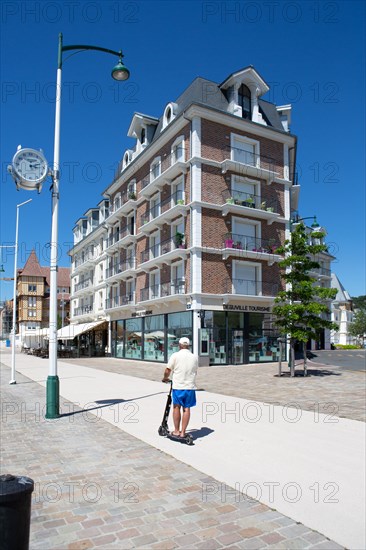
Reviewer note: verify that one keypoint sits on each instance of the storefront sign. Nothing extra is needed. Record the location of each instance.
(233, 307)
(142, 313)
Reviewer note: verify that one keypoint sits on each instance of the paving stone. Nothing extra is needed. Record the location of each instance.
(99, 455)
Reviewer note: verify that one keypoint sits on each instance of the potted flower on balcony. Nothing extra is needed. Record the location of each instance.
(180, 201)
(132, 195)
(179, 239)
(230, 200)
(249, 201)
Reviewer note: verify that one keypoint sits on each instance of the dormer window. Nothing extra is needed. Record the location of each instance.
(169, 114)
(127, 157)
(244, 97)
(143, 136)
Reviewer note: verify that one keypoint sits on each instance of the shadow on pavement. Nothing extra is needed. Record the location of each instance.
(102, 403)
(311, 372)
(202, 432)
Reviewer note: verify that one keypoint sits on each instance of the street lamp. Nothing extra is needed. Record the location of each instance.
(119, 73)
(15, 246)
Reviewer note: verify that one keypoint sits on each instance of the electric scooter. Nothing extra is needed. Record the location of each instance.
(164, 429)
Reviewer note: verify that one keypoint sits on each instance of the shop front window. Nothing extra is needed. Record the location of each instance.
(120, 338)
(179, 325)
(154, 338)
(133, 339)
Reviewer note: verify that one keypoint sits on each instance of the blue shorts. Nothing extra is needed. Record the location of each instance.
(184, 398)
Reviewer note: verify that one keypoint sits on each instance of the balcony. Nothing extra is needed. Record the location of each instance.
(83, 310)
(85, 262)
(163, 212)
(83, 285)
(163, 253)
(155, 180)
(122, 206)
(120, 301)
(321, 272)
(163, 290)
(250, 288)
(120, 270)
(120, 238)
(250, 164)
(245, 246)
(249, 205)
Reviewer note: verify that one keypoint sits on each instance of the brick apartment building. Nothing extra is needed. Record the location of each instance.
(184, 240)
(33, 296)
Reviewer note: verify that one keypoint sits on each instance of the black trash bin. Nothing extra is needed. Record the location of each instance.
(15, 511)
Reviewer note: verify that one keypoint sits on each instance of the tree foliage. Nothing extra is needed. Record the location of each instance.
(359, 302)
(301, 311)
(358, 326)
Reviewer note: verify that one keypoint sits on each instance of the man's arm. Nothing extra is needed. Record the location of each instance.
(166, 375)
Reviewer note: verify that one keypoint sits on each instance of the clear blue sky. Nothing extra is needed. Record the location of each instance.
(311, 53)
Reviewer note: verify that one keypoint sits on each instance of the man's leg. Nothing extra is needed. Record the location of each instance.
(185, 420)
(176, 419)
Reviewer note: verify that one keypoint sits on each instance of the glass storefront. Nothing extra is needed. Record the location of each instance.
(150, 338)
(235, 338)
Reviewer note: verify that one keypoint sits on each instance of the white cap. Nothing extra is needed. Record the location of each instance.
(184, 341)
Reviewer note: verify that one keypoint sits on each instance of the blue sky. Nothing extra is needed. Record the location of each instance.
(311, 53)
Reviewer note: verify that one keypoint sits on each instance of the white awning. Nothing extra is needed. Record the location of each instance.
(69, 332)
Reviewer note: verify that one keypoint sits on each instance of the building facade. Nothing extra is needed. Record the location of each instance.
(342, 314)
(184, 241)
(33, 296)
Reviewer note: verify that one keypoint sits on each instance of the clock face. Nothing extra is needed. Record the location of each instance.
(30, 166)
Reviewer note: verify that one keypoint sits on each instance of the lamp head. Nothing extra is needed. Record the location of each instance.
(120, 72)
(315, 224)
(2, 270)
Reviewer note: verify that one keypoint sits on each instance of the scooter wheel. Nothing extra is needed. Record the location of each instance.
(189, 439)
(162, 431)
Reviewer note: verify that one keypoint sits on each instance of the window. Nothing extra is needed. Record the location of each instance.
(244, 150)
(155, 206)
(155, 244)
(177, 150)
(246, 279)
(155, 169)
(32, 313)
(177, 278)
(244, 97)
(32, 288)
(169, 114)
(31, 326)
(154, 284)
(245, 192)
(178, 192)
(245, 235)
(131, 190)
(32, 301)
(143, 136)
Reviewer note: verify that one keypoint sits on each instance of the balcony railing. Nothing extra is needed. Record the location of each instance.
(160, 248)
(251, 244)
(119, 301)
(89, 257)
(250, 200)
(121, 201)
(119, 267)
(83, 284)
(118, 236)
(250, 287)
(163, 206)
(84, 310)
(176, 286)
(253, 159)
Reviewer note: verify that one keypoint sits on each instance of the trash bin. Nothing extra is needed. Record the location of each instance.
(15, 511)
(8, 343)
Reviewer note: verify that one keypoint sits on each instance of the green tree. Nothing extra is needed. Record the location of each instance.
(301, 311)
(358, 326)
(359, 302)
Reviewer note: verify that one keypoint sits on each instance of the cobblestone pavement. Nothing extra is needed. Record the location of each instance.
(326, 389)
(98, 487)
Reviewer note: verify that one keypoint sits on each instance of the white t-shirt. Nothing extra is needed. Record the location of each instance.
(183, 365)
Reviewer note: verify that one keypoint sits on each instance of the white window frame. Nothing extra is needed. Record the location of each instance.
(172, 107)
(155, 162)
(174, 266)
(117, 199)
(155, 273)
(175, 184)
(249, 141)
(257, 225)
(240, 179)
(179, 140)
(156, 197)
(131, 188)
(258, 273)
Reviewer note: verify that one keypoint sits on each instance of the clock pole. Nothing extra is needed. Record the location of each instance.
(52, 391)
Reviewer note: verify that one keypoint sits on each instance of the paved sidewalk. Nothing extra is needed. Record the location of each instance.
(328, 390)
(99, 487)
(251, 454)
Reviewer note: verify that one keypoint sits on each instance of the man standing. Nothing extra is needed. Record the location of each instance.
(183, 365)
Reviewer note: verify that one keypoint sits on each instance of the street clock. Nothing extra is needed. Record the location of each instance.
(29, 169)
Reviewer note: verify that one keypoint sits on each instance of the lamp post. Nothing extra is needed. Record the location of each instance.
(15, 246)
(119, 73)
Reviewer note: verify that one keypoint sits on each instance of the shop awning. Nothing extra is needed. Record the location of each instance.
(69, 332)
